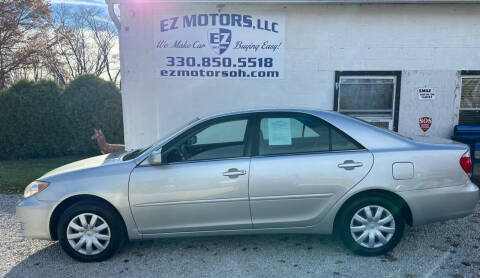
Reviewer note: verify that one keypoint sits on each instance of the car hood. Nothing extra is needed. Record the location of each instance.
(91, 162)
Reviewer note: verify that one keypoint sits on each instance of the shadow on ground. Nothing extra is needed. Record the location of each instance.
(182, 256)
(436, 250)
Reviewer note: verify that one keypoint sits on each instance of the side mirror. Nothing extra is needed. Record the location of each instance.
(155, 157)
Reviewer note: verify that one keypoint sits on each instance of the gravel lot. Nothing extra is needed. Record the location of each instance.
(449, 249)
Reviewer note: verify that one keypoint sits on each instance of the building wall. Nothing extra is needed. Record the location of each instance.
(443, 110)
(429, 43)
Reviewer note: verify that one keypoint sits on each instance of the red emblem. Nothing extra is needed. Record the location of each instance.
(425, 123)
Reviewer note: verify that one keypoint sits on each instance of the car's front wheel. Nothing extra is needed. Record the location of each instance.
(371, 226)
(90, 231)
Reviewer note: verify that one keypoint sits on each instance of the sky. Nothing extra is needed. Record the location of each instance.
(98, 3)
(83, 3)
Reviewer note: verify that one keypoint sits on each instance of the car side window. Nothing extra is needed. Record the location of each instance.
(219, 140)
(341, 142)
(226, 132)
(301, 134)
(282, 135)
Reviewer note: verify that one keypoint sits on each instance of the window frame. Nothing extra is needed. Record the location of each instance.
(372, 74)
(461, 92)
(206, 124)
(256, 131)
(467, 75)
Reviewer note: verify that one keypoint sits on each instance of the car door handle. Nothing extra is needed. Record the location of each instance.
(234, 172)
(350, 164)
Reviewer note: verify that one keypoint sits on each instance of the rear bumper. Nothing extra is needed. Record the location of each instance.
(34, 217)
(438, 204)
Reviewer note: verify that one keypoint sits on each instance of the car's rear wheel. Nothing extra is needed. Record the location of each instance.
(371, 226)
(90, 231)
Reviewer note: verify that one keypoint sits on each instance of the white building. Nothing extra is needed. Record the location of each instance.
(411, 66)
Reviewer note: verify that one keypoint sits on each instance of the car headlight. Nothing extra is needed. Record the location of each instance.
(34, 187)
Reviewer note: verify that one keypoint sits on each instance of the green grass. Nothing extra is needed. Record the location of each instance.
(15, 175)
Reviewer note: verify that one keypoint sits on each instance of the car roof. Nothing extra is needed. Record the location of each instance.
(266, 110)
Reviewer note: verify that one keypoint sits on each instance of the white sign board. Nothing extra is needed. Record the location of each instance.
(220, 45)
(426, 93)
(279, 131)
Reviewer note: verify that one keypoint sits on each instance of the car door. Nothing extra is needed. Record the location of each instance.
(201, 184)
(300, 168)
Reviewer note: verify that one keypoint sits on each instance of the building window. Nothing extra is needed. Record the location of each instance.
(470, 101)
(370, 96)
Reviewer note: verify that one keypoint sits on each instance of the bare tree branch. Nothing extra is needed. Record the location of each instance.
(84, 46)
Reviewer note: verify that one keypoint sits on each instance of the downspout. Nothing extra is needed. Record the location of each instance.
(113, 15)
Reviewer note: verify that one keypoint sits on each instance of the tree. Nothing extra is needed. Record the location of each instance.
(42, 119)
(91, 102)
(105, 36)
(32, 120)
(23, 25)
(85, 43)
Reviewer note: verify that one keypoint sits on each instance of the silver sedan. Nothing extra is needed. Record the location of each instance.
(262, 171)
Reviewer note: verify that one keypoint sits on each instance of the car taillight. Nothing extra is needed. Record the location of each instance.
(466, 163)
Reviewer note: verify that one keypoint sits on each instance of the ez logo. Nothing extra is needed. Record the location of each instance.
(219, 39)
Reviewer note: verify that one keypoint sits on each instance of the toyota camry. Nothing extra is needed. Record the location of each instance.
(253, 172)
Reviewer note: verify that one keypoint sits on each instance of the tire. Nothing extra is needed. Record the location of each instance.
(104, 241)
(352, 230)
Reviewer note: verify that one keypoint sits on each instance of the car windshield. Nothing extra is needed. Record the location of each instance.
(136, 153)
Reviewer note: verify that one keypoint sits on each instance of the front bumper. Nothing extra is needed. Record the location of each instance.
(34, 217)
(439, 204)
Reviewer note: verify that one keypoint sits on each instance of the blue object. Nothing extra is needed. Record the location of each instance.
(470, 135)
(466, 133)
(475, 152)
